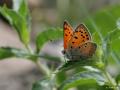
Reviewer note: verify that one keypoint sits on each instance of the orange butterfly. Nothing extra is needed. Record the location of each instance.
(77, 44)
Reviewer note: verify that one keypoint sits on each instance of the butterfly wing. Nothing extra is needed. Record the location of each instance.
(84, 51)
(87, 49)
(77, 44)
(68, 32)
(80, 35)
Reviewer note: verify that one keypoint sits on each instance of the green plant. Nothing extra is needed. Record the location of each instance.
(83, 74)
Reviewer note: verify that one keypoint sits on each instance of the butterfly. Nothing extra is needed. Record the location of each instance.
(78, 43)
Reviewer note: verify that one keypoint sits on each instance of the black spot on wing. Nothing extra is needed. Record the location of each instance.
(83, 36)
(87, 38)
(66, 35)
(83, 40)
(73, 42)
(76, 37)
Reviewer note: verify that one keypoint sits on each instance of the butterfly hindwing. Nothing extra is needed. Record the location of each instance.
(87, 49)
(84, 51)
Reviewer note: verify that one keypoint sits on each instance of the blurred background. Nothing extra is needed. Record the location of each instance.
(19, 74)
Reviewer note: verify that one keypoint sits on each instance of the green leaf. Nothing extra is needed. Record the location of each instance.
(24, 12)
(83, 78)
(44, 84)
(47, 35)
(60, 77)
(23, 9)
(7, 52)
(104, 26)
(111, 38)
(19, 22)
(118, 79)
(116, 58)
(79, 64)
(104, 22)
(50, 58)
(106, 87)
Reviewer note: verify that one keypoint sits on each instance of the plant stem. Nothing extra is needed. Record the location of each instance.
(110, 80)
(29, 49)
(43, 68)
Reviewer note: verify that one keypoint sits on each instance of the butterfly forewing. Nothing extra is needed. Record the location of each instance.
(82, 31)
(80, 35)
(68, 33)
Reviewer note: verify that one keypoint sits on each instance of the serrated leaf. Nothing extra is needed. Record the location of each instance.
(18, 22)
(83, 78)
(47, 35)
(44, 84)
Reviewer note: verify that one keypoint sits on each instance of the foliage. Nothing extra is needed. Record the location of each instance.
(47, 35)
(81, 75)
(15, 18)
